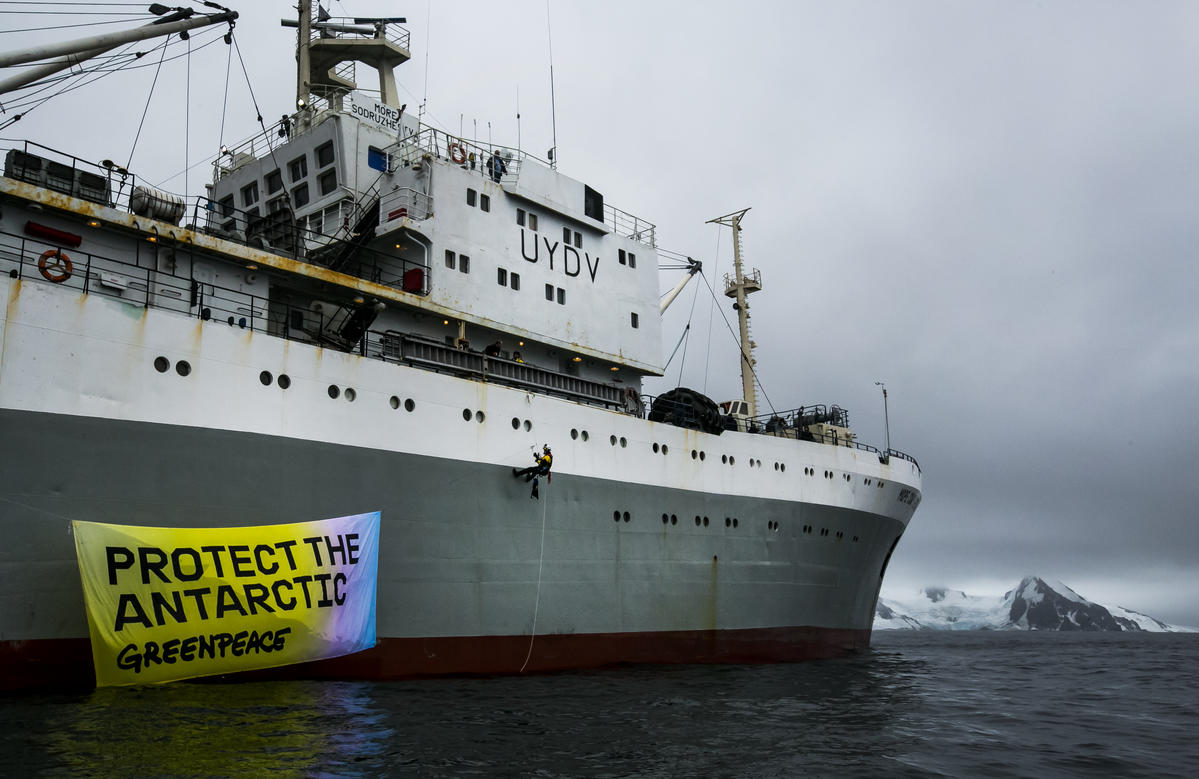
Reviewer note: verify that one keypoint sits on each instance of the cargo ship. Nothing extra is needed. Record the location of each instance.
(364, 312)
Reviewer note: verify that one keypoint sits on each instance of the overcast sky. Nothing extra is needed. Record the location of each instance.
(993, 207)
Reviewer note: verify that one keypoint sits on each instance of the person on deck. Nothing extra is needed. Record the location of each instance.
(496, 166)
(494, 349)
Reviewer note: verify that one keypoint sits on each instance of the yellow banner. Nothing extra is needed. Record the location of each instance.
(176, 603)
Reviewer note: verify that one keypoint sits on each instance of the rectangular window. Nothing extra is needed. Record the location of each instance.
(376, 158)
(620, 257)
(515, 281)
(278, 204)
(226, 204)
(578, 240)
(561, 296)
(324, 155)
(549, 292)
(471, 196)
(249, 194)
(566, 235)
(274, 182)
(297, 169)
(501, 277)
(532, 221)
(634, 320)
(299, 195)
(450, 258)
(632, 260)
(485, 202)
(464, 263)
(328, 181)
(520, 217)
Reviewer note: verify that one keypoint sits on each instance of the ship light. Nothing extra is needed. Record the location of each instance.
(445, 321)
(615, 368)
(93, 223)
(577, 359)
(359, 299)
(251, 266)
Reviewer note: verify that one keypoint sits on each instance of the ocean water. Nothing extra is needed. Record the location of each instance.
(916, 705)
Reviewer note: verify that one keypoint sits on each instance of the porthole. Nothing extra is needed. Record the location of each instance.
(586, 436)
(697, 520)
(334, 391)
(663, 448)
(612, 440)
(705, 521)
(395, 402)
(840, 535)
(162, 364)
(350, 394)
(694, 455)
(665, 519)
(615, 516)
(627, 517)
(701, 455)
(855, 538)
(409, 405)
(674, 520)
(880, 484)
(732, 460)
(183, 368)
(528, 426)
(466, 415)
(782, 467)
(515, 423)
(734, 522)
(480, 417)
(623, 443)
(574, 434)
(776, 466)
(724, 458)
(728, 522)
(284, 381)
(655, 447)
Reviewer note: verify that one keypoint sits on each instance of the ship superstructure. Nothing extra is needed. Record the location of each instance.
(364, 312)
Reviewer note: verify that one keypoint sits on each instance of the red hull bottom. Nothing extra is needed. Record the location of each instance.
(46, 663)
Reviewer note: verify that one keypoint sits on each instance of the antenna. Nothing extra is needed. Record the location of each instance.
(518, 119)
(553, 155)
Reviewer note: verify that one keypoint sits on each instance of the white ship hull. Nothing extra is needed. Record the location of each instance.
(718, 559)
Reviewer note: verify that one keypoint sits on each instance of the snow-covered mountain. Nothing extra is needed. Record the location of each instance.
(1033, 605)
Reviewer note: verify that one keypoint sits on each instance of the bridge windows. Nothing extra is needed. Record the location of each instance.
(484, 203)
(471, 197)
(626, 258)
(328, 181)
(249, 194)
(634, 320)
(451, 259)
(299, 196)
(324, 155)
(526, 219)
(274, 182)
(297, 169)
(501, 276)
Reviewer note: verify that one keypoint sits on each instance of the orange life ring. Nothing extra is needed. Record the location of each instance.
(60, 270)
(457, 153)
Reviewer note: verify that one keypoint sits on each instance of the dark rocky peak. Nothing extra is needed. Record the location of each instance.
(1036, 605)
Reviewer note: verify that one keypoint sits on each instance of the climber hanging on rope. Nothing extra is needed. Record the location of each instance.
(544, 462)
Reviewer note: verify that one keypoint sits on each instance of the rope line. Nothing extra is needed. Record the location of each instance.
(537, 601)
(146, 110)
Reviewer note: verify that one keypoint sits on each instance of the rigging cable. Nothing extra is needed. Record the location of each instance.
(187, 117)
(690, 316)
(225, 98)
(147, 108)
(708, 353)
(740, 346)
(537, 601)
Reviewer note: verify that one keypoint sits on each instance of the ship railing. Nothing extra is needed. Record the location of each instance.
(468, 154)
(107, 184)
(141, 284)
(797, 424)
(405, 203)
(435, 355)
(627, 225)
(347, 28)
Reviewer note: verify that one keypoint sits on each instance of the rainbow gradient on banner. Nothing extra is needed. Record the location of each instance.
(176, 603)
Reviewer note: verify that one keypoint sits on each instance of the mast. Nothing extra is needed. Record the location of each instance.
(303, 57)
(739, 286)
